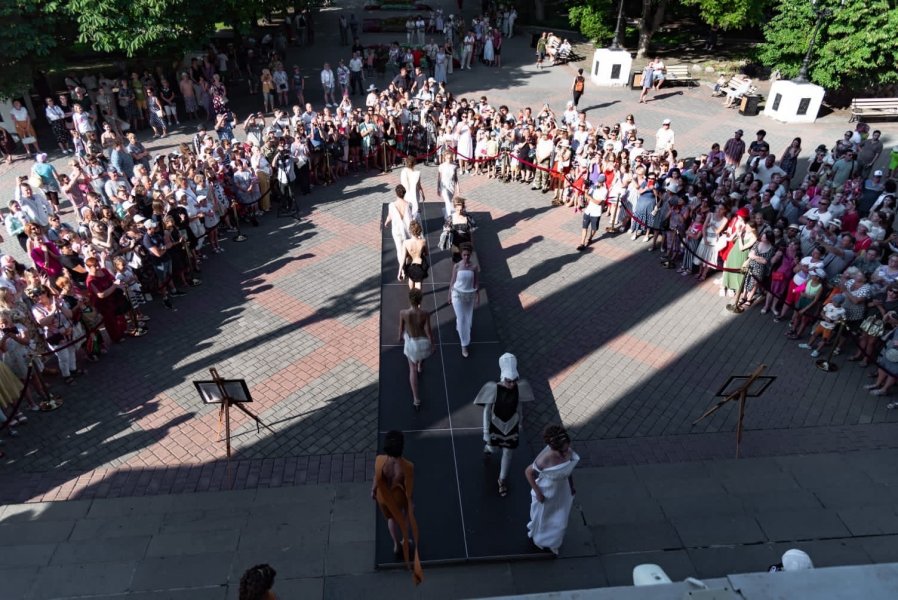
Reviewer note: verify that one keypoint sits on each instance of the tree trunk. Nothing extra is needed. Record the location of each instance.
(649, 22)
(539, 10)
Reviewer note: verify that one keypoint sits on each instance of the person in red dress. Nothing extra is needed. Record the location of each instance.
(111, 301)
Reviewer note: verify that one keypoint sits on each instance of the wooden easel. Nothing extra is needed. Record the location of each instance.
(224, 412)
(740, 394)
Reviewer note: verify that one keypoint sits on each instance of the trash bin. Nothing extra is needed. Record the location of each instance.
(749, 105)
(636, 80)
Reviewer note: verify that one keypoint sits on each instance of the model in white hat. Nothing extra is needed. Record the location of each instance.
(502, 403)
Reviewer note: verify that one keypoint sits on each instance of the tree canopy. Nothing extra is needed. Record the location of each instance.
(856, 45)
(26, 40)
(733, 14)
(595, 19)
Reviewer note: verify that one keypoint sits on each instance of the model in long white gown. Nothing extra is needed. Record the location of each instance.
(440, 67)
(465, 147)
(488, 54)
(548, 519)
(410, 178)
(399, 224)
(448, 185)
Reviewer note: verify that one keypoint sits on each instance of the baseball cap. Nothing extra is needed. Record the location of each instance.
(739, 131)
(877, 173)
(665, 122)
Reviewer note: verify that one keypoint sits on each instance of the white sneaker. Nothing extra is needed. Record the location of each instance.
(804, 346)
(815, 354)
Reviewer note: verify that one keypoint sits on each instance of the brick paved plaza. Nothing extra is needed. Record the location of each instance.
(625, 353)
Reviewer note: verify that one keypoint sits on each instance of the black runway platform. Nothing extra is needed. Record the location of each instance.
(460, 514)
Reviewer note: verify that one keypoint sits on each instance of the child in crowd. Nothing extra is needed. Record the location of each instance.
(833, 312)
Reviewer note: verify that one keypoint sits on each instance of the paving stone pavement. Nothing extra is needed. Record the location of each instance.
(704, 519)
(625, 353)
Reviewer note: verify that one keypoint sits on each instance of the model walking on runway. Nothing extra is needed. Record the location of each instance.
(464, 295)
(417, 337)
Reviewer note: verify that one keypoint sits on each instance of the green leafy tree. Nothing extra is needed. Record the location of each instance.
(134, 26)
(733, 14)
(650, 21)
(594, 20)
(26, 42)
(856, 45)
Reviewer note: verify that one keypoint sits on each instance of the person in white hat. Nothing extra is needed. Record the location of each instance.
(664, 138)
(793, 560)
(502, 403)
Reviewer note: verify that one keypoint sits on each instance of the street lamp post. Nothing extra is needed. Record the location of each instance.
(615, 43)
(822, 14)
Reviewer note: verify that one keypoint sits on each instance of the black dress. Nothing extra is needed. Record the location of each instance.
(461, 234)
(504, 412)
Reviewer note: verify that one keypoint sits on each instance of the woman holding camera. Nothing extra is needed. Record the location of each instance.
(56, 320)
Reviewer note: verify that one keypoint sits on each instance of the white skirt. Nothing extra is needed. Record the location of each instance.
(416, 349)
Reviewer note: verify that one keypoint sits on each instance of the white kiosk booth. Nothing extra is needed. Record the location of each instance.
(611, 67)
(793, 101)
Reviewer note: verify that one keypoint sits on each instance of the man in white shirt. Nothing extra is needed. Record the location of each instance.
(355, 73)
(35, 206)
(595, 205)
(766, 169)
(570, 116)
(664, 138)
(820, 214)
(544, 149)
(327, 82)
(308, 116)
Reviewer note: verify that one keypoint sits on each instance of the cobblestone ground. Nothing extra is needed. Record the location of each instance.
(624, 352)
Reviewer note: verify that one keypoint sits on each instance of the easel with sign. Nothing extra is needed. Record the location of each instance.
(740, 393)
(227, 393)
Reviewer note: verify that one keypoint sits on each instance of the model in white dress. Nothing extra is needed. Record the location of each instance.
(488, 54)
(411, 181)
(447, 182)
(465, 147)
(399, 217)
(552, 490)
(440, 66)
(464, 296)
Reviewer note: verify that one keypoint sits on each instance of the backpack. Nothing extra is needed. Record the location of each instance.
(578, 84)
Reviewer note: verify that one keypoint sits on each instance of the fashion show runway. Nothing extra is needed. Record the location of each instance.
(459, 511)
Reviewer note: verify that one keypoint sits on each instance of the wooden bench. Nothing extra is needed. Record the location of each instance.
(873, 107)
(679, 74)
(731, 85)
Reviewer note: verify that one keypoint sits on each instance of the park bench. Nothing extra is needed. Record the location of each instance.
(873, 107)
(679, 74)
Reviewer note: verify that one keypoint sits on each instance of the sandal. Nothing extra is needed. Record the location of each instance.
(69, 380)
(50, 405)
(503, 489)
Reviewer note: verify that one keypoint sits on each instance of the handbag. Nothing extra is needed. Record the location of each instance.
(872, 326)
(55, 339)
(445, 239)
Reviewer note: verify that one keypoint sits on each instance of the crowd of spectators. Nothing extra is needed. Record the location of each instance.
(804, 239)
